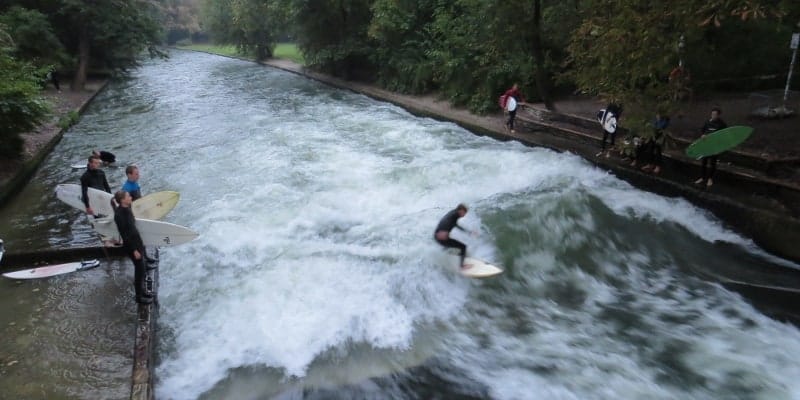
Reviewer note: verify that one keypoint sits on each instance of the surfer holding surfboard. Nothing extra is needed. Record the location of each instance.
(609, 118)
(510, 100)
(94, 177)
(132, 241)
(446, 224)
(712, 125)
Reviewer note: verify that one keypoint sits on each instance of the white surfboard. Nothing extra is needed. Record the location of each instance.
(610, 124)
(511, 103)
(153, 206)
(99, 200)
(52, 270)
(78, 166)
(153, 233)
(478, 268)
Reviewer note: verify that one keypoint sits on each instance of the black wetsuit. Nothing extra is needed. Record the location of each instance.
(107, 157)
(711, 126)
(93, 178)
(447, 223)
(132, 241)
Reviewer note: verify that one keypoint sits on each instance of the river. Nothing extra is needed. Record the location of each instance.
(315, 274)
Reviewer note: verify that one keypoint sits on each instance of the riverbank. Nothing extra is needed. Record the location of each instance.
(751, 202)
(14, 174)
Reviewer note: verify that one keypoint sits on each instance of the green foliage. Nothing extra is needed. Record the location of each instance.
(332, 35)
(21, 107)
(624, 50)
(288, 51)
(402, 34)
(180, 19)
(621, 55)
(115, 32)
(251, 25)
(33, 37)
(69, 119)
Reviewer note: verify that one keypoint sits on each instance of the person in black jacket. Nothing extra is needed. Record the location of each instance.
(133, 245)
(712, 125)
(446, 224)
(94, 177)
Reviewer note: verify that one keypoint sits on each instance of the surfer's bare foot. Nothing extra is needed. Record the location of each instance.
(709, 183)
(466, 266)
(656, 170)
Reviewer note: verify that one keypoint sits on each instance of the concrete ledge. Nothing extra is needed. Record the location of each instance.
(144, 360)
(17, 261)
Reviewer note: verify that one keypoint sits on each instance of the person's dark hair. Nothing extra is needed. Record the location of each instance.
(119, 196)
(130, 168)
(717, 110)
(93, 157)
(461, 207)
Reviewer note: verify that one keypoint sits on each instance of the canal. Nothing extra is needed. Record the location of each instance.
(315, 274)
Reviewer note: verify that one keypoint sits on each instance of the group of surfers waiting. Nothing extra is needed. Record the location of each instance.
(132, 243)
(649, 150)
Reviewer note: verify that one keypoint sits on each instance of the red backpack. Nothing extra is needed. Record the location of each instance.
(502, 101)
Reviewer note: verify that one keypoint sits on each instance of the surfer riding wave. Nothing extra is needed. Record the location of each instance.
(446, 224)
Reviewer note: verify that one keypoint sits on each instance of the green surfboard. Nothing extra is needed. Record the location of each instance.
(719, 141)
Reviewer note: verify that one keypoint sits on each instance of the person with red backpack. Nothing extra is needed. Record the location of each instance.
(509, 101)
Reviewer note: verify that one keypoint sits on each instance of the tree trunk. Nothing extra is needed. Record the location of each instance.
(79, 80)
(540, 75)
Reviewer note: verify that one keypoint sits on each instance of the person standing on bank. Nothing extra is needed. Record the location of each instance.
(446, 224)
(609, 120)
(133, 245)
(95, 178)
(515, 94)
(132, 184)
(105, 156)
(712, 125)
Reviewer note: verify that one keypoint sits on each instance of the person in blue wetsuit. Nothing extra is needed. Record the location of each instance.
(446, 224)
(132, 184)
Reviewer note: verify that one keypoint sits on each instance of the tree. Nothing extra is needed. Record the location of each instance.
(401, 31)
(181, 19)
(625, 49)
(21, 106)
(33, 37)
(332, 34)
(112, 33)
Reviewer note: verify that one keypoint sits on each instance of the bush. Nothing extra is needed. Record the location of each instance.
(21, 106)
(66, 121)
